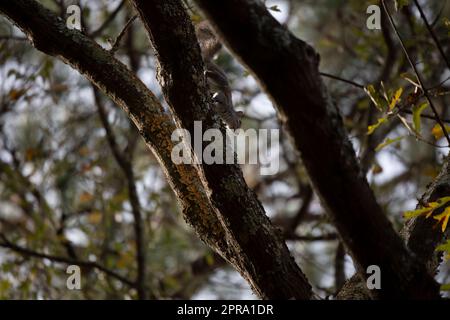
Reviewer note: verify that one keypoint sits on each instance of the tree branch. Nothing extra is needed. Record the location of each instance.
(50, 35)
(273, 274)
(116, 43)
(419, 78)
(287, 69)
(87, 264)
(433, 35)
(419, 234)
(127, 169)
(108, 21)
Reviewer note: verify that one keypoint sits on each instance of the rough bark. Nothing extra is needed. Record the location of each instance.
(287, 69)
(262, 256)
(419, 233)
(267, 265)
(49, 34)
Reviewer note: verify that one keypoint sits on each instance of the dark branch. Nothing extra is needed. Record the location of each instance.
(287, 68)
(108, 21)
(272, 274)
(433, 35)
(419, 78)
(87, 264)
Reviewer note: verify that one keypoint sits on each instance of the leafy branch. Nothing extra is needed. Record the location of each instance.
(419, 78)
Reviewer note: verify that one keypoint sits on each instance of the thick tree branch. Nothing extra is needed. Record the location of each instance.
(108, 21)
(262, 256)
(287, 69)
(50, 35)
(419, 234)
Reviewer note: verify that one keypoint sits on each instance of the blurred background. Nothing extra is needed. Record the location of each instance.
(65, 198)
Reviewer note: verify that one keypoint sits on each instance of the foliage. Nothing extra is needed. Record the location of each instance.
(63, 193)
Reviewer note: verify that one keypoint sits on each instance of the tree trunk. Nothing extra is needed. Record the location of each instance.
(287, 69)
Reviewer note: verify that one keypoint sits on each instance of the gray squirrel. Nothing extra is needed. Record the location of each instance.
(217, 79)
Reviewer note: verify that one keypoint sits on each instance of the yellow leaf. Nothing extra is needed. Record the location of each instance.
(443, 218)
(395, 99)
(442, 201)
(437, 131)
(418, 212)
(371, 129)
(428, 209)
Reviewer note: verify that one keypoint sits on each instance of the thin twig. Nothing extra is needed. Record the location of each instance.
(105, 24)
(438, 16)
(5, 243)
(433, 35)
(13, 38)
(426, 116)
(439, 84)
(425, 92)
(116, 44)
(127, 168)
(355, 84)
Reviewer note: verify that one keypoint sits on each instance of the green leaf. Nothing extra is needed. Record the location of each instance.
(417, 111)
(372, 128)
(387, 142)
